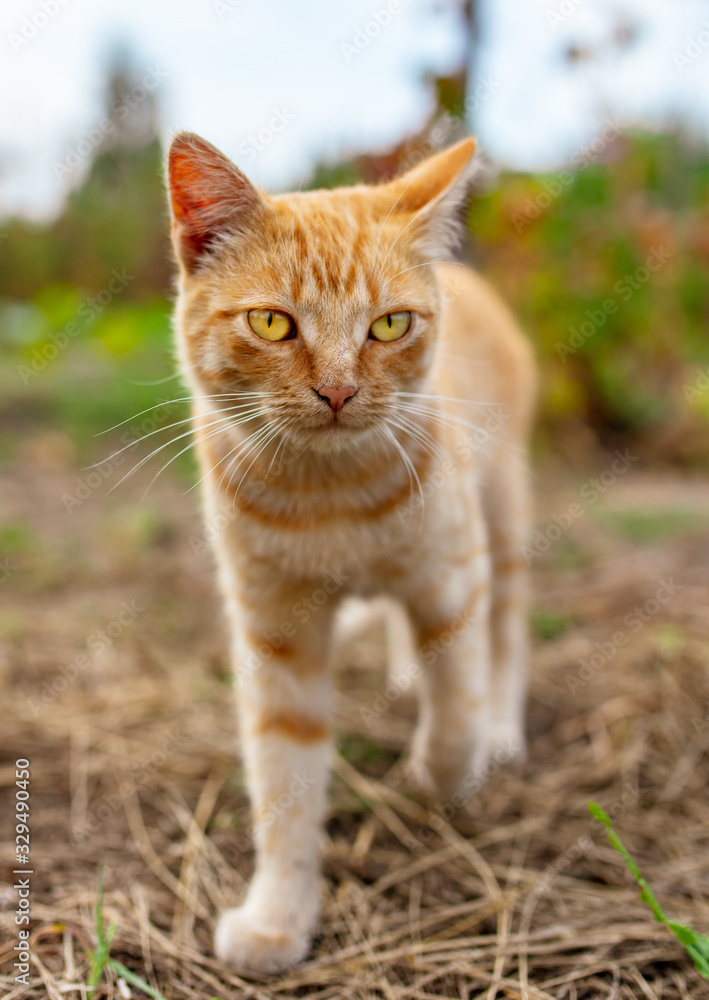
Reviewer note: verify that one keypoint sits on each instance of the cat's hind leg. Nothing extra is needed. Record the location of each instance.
(450, 618)
(507, 507)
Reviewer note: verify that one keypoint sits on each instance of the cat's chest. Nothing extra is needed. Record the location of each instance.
(365, 537)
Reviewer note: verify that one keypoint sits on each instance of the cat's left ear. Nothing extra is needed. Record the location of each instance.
(209, 198)
(431, 194)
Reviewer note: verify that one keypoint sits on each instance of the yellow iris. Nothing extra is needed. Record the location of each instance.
(393, 326)
(269, 324)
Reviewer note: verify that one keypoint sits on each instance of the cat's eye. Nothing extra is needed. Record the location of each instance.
(393, 326)
(268, 324)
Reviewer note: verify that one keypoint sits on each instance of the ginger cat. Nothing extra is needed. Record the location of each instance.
(362, 409)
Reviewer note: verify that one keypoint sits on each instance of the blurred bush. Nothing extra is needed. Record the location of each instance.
(606, 265)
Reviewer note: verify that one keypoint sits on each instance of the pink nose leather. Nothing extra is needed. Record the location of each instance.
(336, 396)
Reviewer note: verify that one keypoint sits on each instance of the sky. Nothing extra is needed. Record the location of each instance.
(278, 84)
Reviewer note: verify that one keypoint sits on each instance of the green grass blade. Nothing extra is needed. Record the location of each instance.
(99, 909)
(97, 959)
(96, 965)
(695, 944)
(110, 934)
(646, 893)
(131, 977)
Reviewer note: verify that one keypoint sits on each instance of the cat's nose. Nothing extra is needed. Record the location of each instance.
(336, 395)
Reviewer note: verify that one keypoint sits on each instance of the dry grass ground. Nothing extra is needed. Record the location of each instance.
(516, 895)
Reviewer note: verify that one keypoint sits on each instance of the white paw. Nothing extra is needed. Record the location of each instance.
(419, 773)
(455, 774)
(244, 939)
(439, 773)
(507, 743)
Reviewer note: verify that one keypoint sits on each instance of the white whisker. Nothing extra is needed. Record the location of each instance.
(457, 423)
(411, 469)
(254, 440)
(446, 399)
(197, 437)
(159, 430)
(281, 445)
(411, 220)
(237, 447)
(427, 263)
(221, 423)
(183, 399)
(423, 436)
(387, 219)
(264, 444)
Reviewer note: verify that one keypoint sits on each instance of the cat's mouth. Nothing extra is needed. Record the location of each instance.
(330, 429)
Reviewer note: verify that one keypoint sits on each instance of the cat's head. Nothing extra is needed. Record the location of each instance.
(324, 301)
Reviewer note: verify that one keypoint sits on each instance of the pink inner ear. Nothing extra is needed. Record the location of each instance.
(207, 193)
(186, 180)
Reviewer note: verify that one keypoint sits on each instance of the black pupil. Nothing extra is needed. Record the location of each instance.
(389, 320)
(270, 319)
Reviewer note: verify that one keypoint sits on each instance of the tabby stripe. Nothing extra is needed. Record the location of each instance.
(293, 726)
(294, 522)
(463, 618)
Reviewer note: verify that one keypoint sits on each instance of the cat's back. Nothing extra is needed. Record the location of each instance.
(483, 356)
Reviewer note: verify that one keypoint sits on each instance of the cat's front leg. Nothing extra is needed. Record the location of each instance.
(284, 702)
(450, 619)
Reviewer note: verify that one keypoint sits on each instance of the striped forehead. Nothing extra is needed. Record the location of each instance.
(330, 251)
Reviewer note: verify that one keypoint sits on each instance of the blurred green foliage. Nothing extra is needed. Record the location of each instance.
(650, 526)
(605, 264)
(607, 268)
(549, 625)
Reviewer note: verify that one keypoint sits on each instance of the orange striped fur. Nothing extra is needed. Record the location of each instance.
(353, 467)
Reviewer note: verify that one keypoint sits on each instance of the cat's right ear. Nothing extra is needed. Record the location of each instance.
(209, 198)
